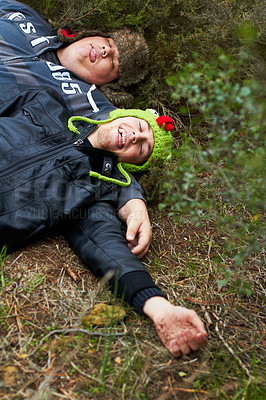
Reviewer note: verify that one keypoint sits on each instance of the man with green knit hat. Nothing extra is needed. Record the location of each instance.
(77, 180)
(136, 138)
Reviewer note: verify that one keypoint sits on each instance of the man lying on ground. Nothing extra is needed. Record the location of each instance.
(52, 178)
(70, 60)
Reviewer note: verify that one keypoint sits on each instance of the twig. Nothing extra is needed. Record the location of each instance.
(84, 15)
(73, 330)
(206, 315)
(202, 302)
(84, 373)
(20, 326)
(176, 389)
(70, 272)
(15, 260)
(231, 351)
(66, 12)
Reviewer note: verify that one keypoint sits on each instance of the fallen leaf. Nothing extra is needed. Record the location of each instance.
(118, 360)
(10, 374)
(104, 314)
(22, 355)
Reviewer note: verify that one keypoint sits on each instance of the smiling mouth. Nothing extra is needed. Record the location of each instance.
(122, 134)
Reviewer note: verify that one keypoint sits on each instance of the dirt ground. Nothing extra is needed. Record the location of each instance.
(45, 354)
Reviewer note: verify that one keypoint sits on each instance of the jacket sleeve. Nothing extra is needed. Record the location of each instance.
(99, 241)
(7, 7)
(133, 191)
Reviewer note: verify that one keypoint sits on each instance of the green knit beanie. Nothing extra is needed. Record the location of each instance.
(161, 127)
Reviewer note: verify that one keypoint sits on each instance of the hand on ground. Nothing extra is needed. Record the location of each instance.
(138, 234)
(180, 329)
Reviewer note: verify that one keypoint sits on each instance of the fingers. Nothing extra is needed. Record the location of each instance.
(183, 344)
(134, 213)
(180, 347)
(186, 342)
(174, 349)
(138, 236)
(132, 229)
(180, 329)
(191, 340)
(194, 319)
(139, 248)
(195, 341)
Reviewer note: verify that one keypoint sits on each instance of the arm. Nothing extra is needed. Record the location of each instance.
(99, 241)
(180, 329)
(135, 214)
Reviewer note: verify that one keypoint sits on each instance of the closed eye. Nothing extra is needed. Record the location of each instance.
(110, 45)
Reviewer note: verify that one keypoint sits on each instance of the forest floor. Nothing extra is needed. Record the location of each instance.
(45, 354)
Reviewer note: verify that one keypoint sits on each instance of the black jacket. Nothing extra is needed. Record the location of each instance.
(25, 38)
(45, 169)
(44, 176)
(45, 183)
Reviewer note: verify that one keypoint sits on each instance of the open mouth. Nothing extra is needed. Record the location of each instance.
(93, 55)
(122, 134)
(121, 138)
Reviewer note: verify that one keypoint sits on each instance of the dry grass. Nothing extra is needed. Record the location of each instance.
(46, 355)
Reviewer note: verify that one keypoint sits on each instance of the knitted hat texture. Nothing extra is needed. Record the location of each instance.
(132, 47)
(161, 127)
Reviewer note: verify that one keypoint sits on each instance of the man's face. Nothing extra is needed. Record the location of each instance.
(130, 138)
(94, 59)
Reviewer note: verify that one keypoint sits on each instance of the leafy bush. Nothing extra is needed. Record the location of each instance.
(219, 176)
(173, 29)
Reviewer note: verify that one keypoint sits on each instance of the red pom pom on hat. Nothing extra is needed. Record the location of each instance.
(67, 31)
(167, 121)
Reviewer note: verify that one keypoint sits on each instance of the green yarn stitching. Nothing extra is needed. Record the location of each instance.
(112, 180)
(72, 127)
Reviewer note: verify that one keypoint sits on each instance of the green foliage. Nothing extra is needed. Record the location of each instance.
(3, 256)
(221, 177)
(34, 282)
(174, 30)
(47, 8)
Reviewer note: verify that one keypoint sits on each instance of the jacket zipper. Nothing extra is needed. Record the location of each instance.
(35, 159)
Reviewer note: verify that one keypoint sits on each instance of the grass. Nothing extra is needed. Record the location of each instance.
(42, 336)
(46, 291)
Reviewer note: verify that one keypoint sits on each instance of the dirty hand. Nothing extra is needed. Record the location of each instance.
(180, 329)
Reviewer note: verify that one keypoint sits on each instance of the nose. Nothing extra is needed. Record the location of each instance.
(106, 51)
(135, 137)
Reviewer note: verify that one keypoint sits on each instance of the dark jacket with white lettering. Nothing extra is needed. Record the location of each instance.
(24, 37)
(45, 177)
